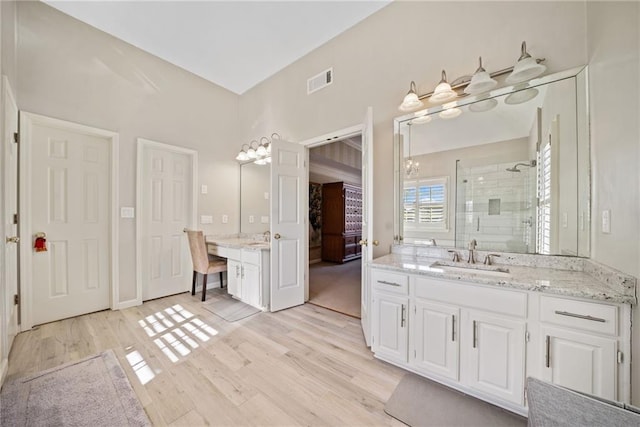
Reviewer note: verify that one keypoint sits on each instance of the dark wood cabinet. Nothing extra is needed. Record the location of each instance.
(341, 222)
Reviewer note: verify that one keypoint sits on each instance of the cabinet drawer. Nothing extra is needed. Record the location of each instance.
(588, 316)
(251, 257)
(349, 250)
(511, 303)
(214, 249)
(230, 253)
(390, 282)
(350, 240)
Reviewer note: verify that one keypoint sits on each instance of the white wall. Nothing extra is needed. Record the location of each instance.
(614, 48)
(71, 71)
(374, 62)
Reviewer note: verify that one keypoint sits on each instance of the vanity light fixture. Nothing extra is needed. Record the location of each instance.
(258, 152)
(411, 101)
(526, 68)
(481, 81)
(443, 92)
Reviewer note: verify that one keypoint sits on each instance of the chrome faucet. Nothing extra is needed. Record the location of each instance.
(472, 248)
(487, 258)
(455, 257)
(432, 242)
(267, 235)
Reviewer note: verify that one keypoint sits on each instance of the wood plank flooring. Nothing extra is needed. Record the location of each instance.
(302, 366)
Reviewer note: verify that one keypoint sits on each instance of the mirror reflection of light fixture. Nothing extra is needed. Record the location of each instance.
(482, 106)
(443, 92)
(251, 152)
(411, 100)
(450, 111)
(411, 168)
(521, 96)
(242, 155)
(421, 117)
(526, 68)
(481, 81)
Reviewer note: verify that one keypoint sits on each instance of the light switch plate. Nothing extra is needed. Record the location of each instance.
(264, 219)
(127, 212)
(252, 219)
(606, 221)
(225, 219)
(204, 189)
(206, 219)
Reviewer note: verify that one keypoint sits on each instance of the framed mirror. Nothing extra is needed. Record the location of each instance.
(254, 198)
(509, 169)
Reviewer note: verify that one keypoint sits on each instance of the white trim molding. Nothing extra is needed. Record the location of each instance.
(27, 121)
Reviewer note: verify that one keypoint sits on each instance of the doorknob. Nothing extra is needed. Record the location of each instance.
(14, 239)
(376, 243)
(363, 242)
(276, 236)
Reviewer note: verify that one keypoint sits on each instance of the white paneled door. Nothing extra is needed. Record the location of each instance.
(69, 194)
(166, 195)
(288, 224)
(10, 238)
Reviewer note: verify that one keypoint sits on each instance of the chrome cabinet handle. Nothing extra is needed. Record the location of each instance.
(384, 282)
(474, 334)
(453, 328)
(547, 359)
(402, 316)
(237, 271)
(579, 316)
(242, 272)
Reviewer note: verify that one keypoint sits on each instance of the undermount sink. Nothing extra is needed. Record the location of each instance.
(480, 269)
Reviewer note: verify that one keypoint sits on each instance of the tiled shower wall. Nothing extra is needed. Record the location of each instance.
(496, 207)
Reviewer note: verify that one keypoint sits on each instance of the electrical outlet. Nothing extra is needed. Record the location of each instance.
(606, 221)
(206, 219)
(204, 189)
(225, 219)
(252, 219)
(266, 195)
(126, 212)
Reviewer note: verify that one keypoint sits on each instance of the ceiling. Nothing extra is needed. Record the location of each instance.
(234, 44)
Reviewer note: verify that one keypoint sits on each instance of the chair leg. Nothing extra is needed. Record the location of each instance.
(221, 284)
(204, 287)
(193, 283)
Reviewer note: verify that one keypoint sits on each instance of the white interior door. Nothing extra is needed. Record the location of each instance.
(288, 224)
(367, 222)
(10, 166)
(166, 192)
(69, 192)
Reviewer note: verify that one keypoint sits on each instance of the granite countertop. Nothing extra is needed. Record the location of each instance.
(238, 243)
(548, 280)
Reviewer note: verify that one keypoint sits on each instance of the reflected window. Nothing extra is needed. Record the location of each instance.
(425, 204)
(544, 200)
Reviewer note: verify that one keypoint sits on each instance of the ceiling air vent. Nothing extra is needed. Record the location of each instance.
(320, 81)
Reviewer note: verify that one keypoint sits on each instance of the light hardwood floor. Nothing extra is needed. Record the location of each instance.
(302, 366)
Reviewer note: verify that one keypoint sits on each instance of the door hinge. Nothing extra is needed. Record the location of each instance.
(16, 137)
(16, 299)
(415, 354)
(527, 336)
(15, 218)
(620, 357)
(525, 396)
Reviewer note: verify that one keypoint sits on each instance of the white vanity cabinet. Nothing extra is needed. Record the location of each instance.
(390, 318)
(247, 274)
(579, 345)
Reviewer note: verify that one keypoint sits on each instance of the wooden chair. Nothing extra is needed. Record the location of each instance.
(203, 263)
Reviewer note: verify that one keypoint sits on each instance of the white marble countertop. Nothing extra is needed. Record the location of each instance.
(553, 281)
(238, 243)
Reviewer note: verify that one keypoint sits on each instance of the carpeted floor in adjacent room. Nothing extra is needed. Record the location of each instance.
(336, 286)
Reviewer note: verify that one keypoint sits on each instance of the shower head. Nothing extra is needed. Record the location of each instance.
(531, 164)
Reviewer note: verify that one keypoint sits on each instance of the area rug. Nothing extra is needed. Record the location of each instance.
(93, 391)
(228, 308)
(418, 401)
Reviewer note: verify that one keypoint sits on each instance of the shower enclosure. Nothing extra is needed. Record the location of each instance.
(496, 204)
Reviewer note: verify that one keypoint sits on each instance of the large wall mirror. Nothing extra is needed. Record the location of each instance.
(254, 198)
(510, 170)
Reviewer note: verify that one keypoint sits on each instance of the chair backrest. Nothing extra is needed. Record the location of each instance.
(198, 249)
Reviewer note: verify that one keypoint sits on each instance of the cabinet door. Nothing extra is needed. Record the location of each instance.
(494, 352)
(233, 278)
(579, 361)
(251, 284)
(390, 331)
(435, 338)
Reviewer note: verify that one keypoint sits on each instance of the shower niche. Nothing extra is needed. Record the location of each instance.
(510, 170)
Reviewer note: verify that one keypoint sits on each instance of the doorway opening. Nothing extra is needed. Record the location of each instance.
(335, 224)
